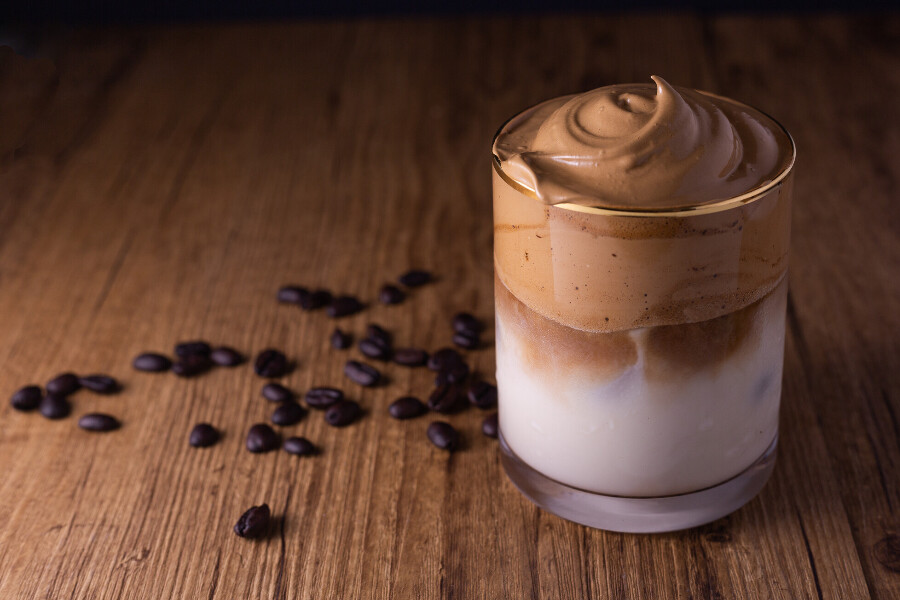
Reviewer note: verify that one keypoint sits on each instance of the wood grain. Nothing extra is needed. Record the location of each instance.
(160, 183)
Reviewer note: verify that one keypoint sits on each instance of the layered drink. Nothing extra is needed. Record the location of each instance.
(641, 237)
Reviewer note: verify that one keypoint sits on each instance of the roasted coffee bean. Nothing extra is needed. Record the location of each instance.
(300, 446)
(226, 357)
(343, 413)
(98, 422)
(254, 523)
(275, 392)
(415, 278)
(54, 406)
(340, 340)
(465, 322)
(361, 373)
(64, 384)
(270, 364)
(343, 306)
(490, 426)
(391, 294)
(482, 394)
(452, 374)
(410, 357)
(101, 384)
(151, 362)
(288, 413)
(407, 407)
(315, 300)
(375, 348)
(323, 397)
(262, 438)
(447, 398)
(466, 339)
(292, 294)
(443, 435)
(203, 435)
(194, 347)
(27, 398)
(379, 333)
(443, 358)
(191, 365)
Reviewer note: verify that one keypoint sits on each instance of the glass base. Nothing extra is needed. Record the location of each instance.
(639, 515)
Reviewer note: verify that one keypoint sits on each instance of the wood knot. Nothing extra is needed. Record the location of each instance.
(887, 552)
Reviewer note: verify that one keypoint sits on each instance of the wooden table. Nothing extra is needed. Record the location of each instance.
(163, 182)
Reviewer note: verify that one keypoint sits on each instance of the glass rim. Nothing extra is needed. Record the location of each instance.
(686, 211)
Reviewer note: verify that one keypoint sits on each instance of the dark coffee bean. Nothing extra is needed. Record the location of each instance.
(379, 333)
(270, 364)
(361, 373)
(407, 407)
(226, 357)
(323, 397)
(254, 523)
(27, 398)
(447, 398)
(391, 294)
(490, 426)
(343, 306)
(466, 339)
(194, 347)
(275, 392)
(465, 322)
(203, 435)
(443, 435)
(443, 358)
(292, 294)
(452, 374)
(415, 278)
(191, 365)
(54, 406)
(343, 413)
(98, 422)
(300, 446)
(482, 394)
(340, 340)
(63, 385)
(101, 384)
(410, 357)
(288, 413)
(262, 438)
(151, 362)
(315, 300)
(375, 348)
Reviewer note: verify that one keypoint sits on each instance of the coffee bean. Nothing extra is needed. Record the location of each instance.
(391, 294)
(343, 413)
(443, 435)
(415, 278)
(27, 398)
(151, 362)
(375, 348)
(98, 422)
(191, 365)
(101, 384)
(275, 392)
(466, 339)
(410, 357)
(465, 322)
(407, 407)
(379, 333)
(482, 394)
(447, 398)
(300, 446)
(288, 413)
(340, 340)
(203, 435)
(254, 523)
(343, 306)
(194, 347)
(63, 385)
(361, 373)
(323, 397)
(270, 364)
(292, 294)
(490, 426)
(54, 406)
(316, 300)
(443, 358)
(262, 438)
(226, 357)
(452, 374)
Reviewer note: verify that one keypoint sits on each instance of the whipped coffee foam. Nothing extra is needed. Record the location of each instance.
(637, 146)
